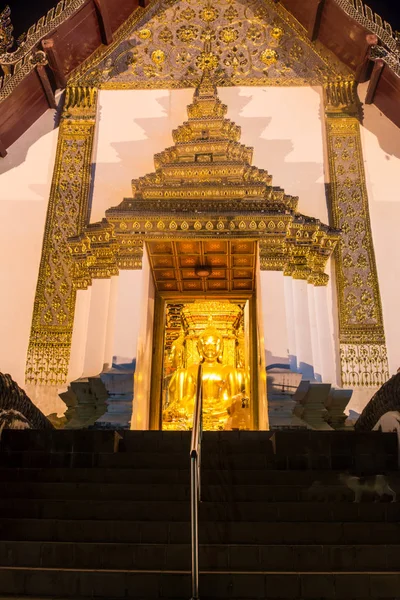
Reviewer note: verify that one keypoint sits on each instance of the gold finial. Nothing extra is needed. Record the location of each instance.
(6, 29)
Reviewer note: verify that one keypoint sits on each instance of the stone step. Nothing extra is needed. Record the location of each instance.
(175, 510)
(134, 460)
(138, 584)
(368, 463)
(60, 440)
(220, 532)
(181, 476)
(164, 491)
(68, 555)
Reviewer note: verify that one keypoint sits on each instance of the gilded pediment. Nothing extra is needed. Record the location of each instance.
(254, 42)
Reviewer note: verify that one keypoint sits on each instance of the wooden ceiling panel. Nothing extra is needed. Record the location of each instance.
(242, 247)
(188, 261)
(162, 262)
(219, 285)
(215, 247)
(168, 286)
(174, 265)
(160, 248)
(243, 260)
(220, 261)
(162, 274)
(188, 247)
(242, 274)
(192, 286)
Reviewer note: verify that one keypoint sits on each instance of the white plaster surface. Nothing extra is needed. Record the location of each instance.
(274, 317)
(97, 327)
(381, 148)
(25, 179)
(142, 379)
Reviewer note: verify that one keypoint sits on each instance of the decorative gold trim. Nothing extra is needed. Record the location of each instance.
(53, 315)
(361, 331)
(362, 14)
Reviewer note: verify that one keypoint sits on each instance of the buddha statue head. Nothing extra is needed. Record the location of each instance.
(210, 344)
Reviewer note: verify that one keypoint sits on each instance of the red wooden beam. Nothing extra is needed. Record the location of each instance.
(3, 151)
(363, 70)
(54, 62)
(315, 22)
(373, 83)
(48, 90)
(143, 3)
(104, 22)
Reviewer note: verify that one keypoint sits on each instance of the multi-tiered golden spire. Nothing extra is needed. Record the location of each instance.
(208, 163)
(205, 185)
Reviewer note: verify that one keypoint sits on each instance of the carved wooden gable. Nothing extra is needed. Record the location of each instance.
(255, 42)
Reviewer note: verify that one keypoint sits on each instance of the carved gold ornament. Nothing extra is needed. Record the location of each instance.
(53, 315)
(158, 57)
(144, 34)
(277, 32)
(269, 56)
(228, 35)
(209, 14)
(207, 61)
(187, 33)
(362, 340)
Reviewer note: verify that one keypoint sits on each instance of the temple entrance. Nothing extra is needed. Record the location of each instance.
(220, 332)
(211, 332)
(205, 311)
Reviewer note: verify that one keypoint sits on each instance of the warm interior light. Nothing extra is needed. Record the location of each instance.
(203, 271)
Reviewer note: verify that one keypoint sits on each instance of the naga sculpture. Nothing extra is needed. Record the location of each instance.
(17, 411)
(386, 399)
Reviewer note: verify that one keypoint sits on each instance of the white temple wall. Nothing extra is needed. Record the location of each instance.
(127, 324)
(274, 319)
(381, 147)
(136, 124)
(25, 179)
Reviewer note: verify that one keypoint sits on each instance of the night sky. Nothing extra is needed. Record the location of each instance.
(26, 12)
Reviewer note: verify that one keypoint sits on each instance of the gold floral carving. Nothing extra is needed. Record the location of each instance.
(53, 316)
(254, 43)
(362, 339)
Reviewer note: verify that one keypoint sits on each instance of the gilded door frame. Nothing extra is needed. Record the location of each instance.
(155, 418)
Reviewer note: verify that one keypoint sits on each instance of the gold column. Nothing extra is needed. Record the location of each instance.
(53, 315)
(363, 355)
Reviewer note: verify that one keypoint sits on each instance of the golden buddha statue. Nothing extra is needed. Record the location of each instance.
(220, 383)
(225, 388)
(175, 415)
(239, 411)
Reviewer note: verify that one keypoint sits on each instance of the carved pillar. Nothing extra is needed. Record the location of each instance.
(53, 315)
(363, 354)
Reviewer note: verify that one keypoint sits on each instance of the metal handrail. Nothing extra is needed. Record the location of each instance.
(195, 483)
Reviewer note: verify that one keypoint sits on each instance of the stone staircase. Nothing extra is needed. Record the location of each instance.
(95, 514)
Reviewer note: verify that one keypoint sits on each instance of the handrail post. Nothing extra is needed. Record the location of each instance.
(195, 462)
(194, 527)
